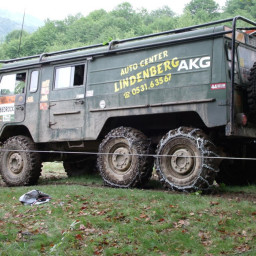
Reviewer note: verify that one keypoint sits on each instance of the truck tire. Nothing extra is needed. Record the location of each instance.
(186, 169)
(18, 167)
(251, 94)
(85, 165)
(129, 169)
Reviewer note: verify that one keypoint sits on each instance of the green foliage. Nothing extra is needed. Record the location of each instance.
(10, 50)
(107, 41)
(16, 34)
(208, 6)
(122, 22)
(162, 12)
(241, 7)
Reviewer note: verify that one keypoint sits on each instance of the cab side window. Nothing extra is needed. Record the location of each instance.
(68, 77)
(34, 81)
(13, 84)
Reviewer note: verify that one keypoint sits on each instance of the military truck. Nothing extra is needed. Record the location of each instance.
(177, 101)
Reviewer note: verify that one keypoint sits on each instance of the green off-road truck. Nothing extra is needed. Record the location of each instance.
(176, 101)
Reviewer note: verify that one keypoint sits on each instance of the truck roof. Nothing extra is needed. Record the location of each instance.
(112, 47)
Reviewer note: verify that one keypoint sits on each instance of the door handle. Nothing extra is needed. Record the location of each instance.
(51, 124)
(19, 107)
(79, 102)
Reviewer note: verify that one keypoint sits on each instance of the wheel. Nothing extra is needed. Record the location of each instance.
(20, 165)
(182, 161)
(251, 94)
(122, 161)
(85, 165)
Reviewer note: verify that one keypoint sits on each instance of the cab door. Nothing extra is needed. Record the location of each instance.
(67, 102)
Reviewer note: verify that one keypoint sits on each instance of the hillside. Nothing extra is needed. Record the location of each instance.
(12, 21)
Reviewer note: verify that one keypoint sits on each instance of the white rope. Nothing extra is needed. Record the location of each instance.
(139, 155)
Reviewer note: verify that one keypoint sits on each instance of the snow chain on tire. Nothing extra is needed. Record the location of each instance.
(134, 169)
(200, 171)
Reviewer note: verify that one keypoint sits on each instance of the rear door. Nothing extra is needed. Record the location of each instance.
(67, 102)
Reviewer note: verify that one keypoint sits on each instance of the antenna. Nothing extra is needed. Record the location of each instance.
(21, 32)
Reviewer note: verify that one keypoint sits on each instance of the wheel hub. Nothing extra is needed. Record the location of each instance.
(15, 163)
(182, 161)
(121, 159)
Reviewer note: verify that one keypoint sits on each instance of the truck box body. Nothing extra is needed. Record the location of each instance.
(181, 77)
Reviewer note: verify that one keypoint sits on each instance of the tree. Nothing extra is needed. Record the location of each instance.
(15, 34)
(11, 49)
(245, 8)
(201, 7)
(164, 11)
(124, 10)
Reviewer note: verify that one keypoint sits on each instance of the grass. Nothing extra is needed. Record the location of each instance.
(95, 220)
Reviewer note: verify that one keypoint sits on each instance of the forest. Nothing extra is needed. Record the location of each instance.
(122, 22)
